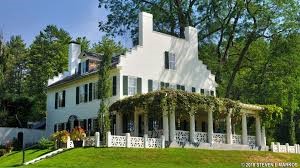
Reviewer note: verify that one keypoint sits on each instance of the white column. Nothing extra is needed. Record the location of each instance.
(228, 127)
(263, 137)
(136, 124)
(210, 128)
(192, 128)
(172, 127)
(244, 129)
(127, 140)
(146, 123)
(97, 139)
(287, 148)
(146, 141)
(258, 131)
(108, 139)
(166, 125)
(119, 123)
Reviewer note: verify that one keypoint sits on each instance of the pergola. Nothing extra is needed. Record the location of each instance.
(168, 103)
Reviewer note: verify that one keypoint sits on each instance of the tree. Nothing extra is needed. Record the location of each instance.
(48, 58)
(107, 48)
(84, 43)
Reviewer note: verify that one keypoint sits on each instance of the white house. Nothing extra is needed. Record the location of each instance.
(160, 60)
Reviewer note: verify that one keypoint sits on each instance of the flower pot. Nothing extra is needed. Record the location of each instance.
(77, 144)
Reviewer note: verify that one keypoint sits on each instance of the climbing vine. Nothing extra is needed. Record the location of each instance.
(270, 115)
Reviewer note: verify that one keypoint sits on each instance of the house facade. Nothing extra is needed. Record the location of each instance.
(159, 61)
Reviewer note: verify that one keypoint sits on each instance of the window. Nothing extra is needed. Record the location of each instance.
(173, 86)
(60, 99)
(114, 91)
(132, 86)
(156, 85)
(170, 60)
(212, 93)
(193, 89)
(81, 94)
(95, 90)
(202, 91)
(83, 67)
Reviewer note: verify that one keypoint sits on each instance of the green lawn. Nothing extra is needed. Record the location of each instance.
(150, 158)
(15, 158)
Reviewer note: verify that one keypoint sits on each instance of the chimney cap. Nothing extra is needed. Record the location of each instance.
(74, 42)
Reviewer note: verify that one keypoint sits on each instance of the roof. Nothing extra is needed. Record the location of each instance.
(115, 61)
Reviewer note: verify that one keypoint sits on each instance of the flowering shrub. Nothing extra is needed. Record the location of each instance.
(77, 134)
(61, 136)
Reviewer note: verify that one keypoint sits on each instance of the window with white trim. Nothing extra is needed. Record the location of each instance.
(95, 90)
(81, 94)
(132, 85)
(172, 61)
(156, 85)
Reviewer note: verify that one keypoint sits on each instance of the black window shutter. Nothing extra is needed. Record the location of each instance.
(212, 93)
(167, 60)
(85, 92)
(87, 65)
(77, 95)
(150, 85)
(162, 85)
(193, 89)
(79, 68)
(139, 85)
(90, 91)
(55, 128)
(114, 92)
(178, 87)
(84, 124)
(56, 100)
(125, 85)
(202, 91)
(64, 99)
(183, 88)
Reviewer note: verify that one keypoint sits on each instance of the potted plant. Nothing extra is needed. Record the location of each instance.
(77, 135)
(61, 138)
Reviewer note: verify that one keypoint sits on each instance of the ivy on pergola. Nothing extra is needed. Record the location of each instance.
(184, 103)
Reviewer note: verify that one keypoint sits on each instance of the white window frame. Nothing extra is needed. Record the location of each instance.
(81, 94)
(155, 85)
(172, 61)
(83, 67)
(95, 90)
(132, 85)
(60, 99)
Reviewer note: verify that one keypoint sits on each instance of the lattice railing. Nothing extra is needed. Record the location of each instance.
(89, 141)
(292, 149)
(154, 143)
(236, 139)
(137, 142)
(285, 148)
(182, 137)
(201, 137)
(282, 148)
(219, 138)
(118, 141)
(251, 140)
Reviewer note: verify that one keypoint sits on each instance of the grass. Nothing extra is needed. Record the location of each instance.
(148, 158)
(15, 158)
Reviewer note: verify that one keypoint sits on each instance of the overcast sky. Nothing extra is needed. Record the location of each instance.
(28, 17)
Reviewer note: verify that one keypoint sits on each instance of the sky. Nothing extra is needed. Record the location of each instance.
(28, 17)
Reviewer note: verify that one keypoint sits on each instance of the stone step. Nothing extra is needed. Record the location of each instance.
(44, 156)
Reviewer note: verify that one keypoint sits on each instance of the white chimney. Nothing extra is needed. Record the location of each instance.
(74, 52)
(145, 27)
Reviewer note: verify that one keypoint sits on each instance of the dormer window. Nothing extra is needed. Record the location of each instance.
(170, 60)
(83, 67)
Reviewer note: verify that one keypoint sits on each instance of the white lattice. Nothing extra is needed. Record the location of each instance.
(282, 148)
(118, 141)
(236, 139)
(89, 141)
(182, 137)
(70, 144)
(219, 138)
(251, 140)
(154, 143)
(292, 149)
(201, 137)
(136, 142)
(275, 148)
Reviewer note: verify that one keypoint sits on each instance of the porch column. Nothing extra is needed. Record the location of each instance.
(263, 137)
(136, 124)
(244, 129)
(146, 123)
(258, 131)
(192, 128)
(166, 125)
(172, 127)
(228, 127)
(210, 128)
(119, 123)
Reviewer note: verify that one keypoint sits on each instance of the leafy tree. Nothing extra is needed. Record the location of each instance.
(84, 43)
(107, 48)
(48, 58)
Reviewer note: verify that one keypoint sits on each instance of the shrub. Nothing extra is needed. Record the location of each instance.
(77, 134)
(45, 143)
(61, 136)
(2, 152)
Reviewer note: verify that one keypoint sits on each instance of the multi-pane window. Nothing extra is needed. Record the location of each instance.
(172, 61)
(132, 85)
(60, 99)
(156, 85)
(95, 90)
(81, 94)
(83, 67)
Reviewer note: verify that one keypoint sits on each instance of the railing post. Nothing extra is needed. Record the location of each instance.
(68, 142)
(278, 146)
(127, 140)
(97, 139)
(272, 146)
(163, 140)
(145, 140)
(287, 148)
(108, 139)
